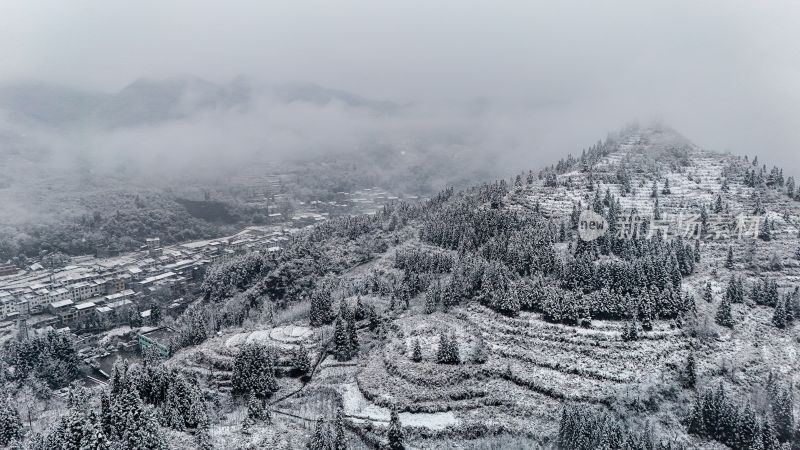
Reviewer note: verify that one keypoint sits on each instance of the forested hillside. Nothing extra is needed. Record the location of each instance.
(489, 318)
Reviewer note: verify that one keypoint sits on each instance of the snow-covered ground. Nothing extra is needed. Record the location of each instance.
(356, 405)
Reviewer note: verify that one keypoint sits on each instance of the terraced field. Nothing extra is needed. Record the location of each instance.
(533, 366)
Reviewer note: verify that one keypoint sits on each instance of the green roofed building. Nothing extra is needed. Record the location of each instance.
(157, 337)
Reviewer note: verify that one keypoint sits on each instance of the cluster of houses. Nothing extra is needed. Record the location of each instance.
(92, 291)
(363, 201)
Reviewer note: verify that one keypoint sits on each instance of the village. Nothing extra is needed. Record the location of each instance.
(119, 305)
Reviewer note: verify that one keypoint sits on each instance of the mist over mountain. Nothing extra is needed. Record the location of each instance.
(401, 225)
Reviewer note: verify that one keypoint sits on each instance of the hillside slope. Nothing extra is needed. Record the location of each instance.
(640, 295)
(543, 319)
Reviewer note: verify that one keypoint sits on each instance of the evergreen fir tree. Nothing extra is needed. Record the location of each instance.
(480, 354)
(759, 208)
(433, 297)
(360, 311)
(257, 411)
(790, 309)
(321, 439)
(395, 433)
(724, 315)
(301, 362)
(254, 371)
(697, 423)
(631, 331)
(441, 352)
(454, 353)
(697, 250)
(781, 404)
(779, 316)
(321, 312)
(708, 294)
(141, 431)
(203, 439)
(691, 371)
(339, 438)
(416, 351)
(729, 258)
(341, 340)
(448, 352)
(352, 337)
(718, 206)
(10, 423)
(769, 437)
(88, 432)
(666, 190)
(764, 232)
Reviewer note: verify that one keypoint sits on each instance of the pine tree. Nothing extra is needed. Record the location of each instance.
(697, 423)
(765, 232)
(352, 337)
(729, 258)
(416, 351)
(395, 433)
(321, 312)
(433, 297)
(631, 331)
(759, 207)
(779, 316)
(140, 430)
(708, 294)
(781, 403)
(480, 354)
(85, 429)
(341, 340)
(339, 437)
(441, 352)
(360, 311)
(666, 190)
(448, 352)
(254, 371)
(718, 206)
(203, 439)
(155, 315)
(790, 309)
(10, 423)
(769, 437)
(257, 411)
(724, 315)
(691, 371)
(454, 354)
(321, 439)
(301, 362)
(697, 250)
(106, 415)
(508, 303)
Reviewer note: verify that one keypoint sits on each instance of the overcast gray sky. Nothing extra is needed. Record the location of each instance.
(725, 73)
